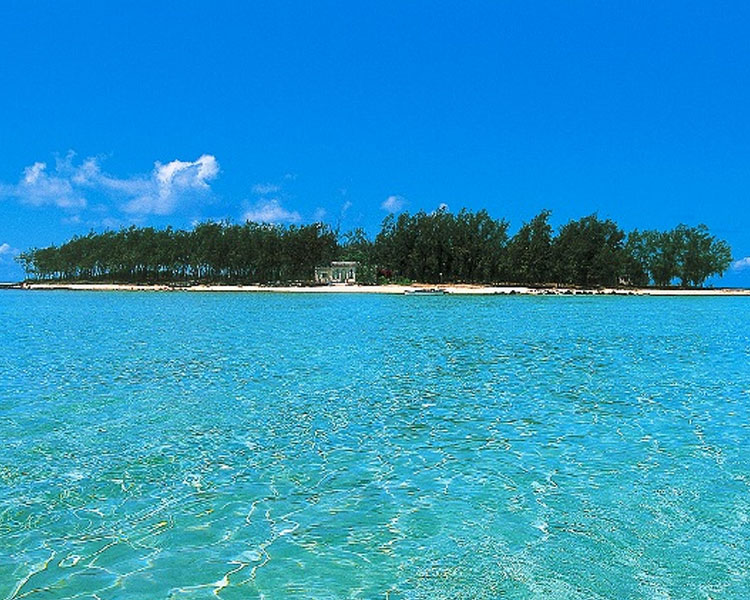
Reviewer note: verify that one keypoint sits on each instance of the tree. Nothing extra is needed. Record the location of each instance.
(530, 251)
(589, 252)
(699, 254)
(431, 247)
(356, 246)
(635, 259)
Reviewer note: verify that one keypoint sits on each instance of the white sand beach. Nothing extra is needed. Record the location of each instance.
(463, 289)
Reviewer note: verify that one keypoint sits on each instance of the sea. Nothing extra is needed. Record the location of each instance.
(225, 445)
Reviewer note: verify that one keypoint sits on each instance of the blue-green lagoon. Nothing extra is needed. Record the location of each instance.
(189, 445)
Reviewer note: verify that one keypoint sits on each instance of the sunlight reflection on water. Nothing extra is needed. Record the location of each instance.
(179, 445)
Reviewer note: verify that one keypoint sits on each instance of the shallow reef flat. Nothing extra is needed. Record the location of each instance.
(373, 446)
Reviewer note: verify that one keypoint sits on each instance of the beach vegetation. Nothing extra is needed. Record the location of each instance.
(436, 247)
(529, 252)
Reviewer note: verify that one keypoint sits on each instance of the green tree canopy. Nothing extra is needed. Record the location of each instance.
(589, 252)
(440, 246)
(529, 253)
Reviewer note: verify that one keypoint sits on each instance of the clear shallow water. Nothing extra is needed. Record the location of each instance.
(159, 445)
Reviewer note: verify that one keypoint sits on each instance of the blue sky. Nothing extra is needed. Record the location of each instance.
(168, 113)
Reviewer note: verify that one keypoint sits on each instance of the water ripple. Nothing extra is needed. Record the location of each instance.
(270, 446)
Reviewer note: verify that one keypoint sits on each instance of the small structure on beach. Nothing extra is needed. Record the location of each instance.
(339, 271)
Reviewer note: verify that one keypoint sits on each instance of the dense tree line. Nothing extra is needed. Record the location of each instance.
(469, 247)
(474, 248)
(210, 252)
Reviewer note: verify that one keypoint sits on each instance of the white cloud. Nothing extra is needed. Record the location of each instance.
(269, 208)
(263, 189)
(7, 250)
(393, 203)
(442, 207)
(159, 192)
(319, 215)
(40, 187)
(170, 183)
(741, 264)
(271, 211)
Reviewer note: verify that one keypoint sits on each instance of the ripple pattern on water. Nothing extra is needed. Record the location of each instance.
(167, 445)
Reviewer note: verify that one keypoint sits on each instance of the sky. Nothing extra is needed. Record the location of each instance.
(170, 113)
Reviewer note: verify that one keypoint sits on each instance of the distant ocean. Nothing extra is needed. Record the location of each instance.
(166, 445)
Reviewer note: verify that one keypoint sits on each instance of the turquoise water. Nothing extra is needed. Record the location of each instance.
(176, 445)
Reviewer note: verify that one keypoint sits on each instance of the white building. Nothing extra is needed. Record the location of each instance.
(342, 271)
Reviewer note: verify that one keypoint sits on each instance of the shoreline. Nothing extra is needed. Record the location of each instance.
(455, 289)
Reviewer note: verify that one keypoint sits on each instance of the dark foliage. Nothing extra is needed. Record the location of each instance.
(429, 247)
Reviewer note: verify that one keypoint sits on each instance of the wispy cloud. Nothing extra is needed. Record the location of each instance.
(68, 185)
(741, 264)
(7, 250)
(393, 203)
(268, 205)
(271, 211)
(39, 186)
(263, 189)
(7, 253)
